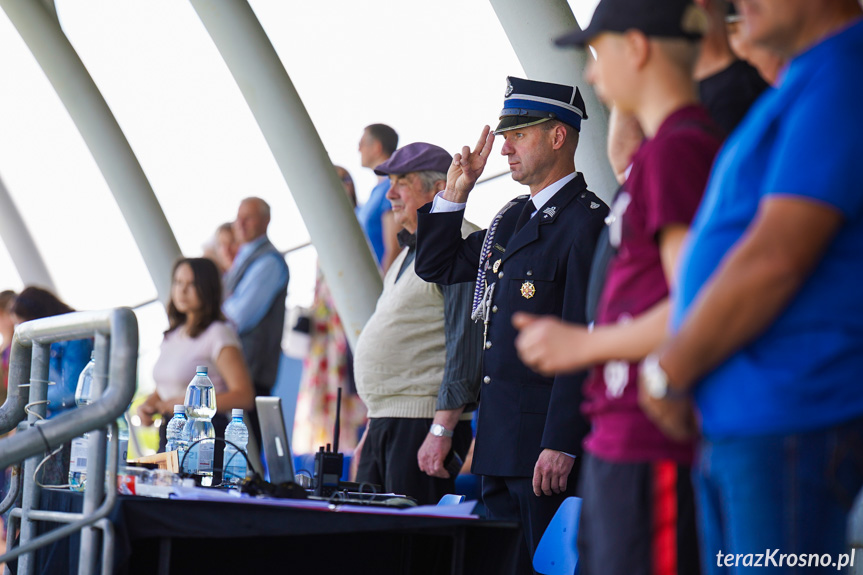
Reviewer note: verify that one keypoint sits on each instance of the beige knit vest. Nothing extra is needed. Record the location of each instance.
(400, 354)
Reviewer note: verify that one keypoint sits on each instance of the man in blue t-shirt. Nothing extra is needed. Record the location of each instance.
(377, 144)
(767, 317)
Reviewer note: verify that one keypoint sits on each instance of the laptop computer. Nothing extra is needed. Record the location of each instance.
(274, 436)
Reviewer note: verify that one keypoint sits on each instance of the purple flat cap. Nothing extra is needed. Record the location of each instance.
(416, 157)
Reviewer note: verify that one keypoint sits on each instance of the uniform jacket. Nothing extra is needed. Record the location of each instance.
(548, 260)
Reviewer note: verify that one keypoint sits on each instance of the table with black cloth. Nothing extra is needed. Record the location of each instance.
(160, 536)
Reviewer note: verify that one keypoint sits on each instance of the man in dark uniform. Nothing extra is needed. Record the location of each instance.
(535, 257)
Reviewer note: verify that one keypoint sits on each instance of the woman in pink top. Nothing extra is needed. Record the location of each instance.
(198, 334)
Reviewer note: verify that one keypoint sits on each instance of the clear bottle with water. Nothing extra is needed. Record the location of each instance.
(235, 463)
(174, 431)
(80, 445)
(200, 408)
(123, 437)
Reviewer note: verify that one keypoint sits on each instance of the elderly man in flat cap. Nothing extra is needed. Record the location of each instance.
(417, 359)
(535, 257)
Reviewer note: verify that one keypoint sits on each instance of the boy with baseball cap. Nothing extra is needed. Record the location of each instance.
(638, 511)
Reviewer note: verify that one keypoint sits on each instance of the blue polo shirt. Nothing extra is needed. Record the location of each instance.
(370, 214)
(802, 139)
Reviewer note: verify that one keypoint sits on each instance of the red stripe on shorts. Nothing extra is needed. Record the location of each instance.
(664, 540)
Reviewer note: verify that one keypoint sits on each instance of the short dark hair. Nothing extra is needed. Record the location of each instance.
(208, 286)
(36, 303)
(571, 133)
(388, 137)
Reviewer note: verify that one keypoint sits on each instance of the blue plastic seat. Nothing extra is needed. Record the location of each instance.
(556, 553)
(451, 499)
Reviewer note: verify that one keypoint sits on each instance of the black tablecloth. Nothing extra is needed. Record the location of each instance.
(239, 538)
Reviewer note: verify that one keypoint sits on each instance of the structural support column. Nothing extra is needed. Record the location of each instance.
(347, 264)
(38, 26)
(22, 249)
(531, 28)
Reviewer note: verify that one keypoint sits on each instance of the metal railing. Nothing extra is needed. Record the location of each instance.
(116, 353)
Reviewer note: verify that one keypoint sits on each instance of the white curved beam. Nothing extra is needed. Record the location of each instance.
(531, 28)
(22, 249)
(38, 26)
(345, 259)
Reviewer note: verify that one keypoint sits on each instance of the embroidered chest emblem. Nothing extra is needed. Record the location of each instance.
(528, 290)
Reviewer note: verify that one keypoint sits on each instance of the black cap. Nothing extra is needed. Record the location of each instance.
(529, 102)
(654, 18)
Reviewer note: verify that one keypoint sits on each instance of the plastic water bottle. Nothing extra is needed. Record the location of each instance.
(235, 462)
(200, 408)
(123, 437)
(174, 431)
(80, 445)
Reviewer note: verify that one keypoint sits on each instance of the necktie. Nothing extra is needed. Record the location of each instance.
(524, 217)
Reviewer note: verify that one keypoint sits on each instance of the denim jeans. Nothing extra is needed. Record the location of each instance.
(790, 492)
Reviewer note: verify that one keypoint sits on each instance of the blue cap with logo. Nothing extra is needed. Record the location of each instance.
(529, 102)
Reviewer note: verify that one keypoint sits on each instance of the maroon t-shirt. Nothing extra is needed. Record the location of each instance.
(668, 177)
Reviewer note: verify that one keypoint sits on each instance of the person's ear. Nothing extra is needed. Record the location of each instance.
(637, 48)
(558, 136)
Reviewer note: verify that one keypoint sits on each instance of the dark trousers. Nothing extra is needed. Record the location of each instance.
(636, 518)
(512, 499)
(389, 458)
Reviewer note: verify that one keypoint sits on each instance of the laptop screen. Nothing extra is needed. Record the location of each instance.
(277, 446)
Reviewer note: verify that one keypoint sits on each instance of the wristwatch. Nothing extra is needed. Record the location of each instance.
(439, 430)
(655, 379)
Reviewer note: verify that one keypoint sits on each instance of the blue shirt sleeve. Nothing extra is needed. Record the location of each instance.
(818, 152)
(254, 295)
(68, 359)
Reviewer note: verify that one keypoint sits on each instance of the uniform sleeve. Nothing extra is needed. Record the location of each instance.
(565, 426)
(443, 256)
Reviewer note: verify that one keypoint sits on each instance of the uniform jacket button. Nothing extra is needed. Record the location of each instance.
(488, 345)
(486, 379)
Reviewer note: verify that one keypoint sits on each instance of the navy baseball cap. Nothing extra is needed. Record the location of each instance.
(654, 18)
(528, 102)
(416, 157)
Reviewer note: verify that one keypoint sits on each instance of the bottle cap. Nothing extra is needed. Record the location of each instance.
(180, 408)
(201, 369)
(236, 412)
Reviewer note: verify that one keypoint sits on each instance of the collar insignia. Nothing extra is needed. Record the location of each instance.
(549, 211)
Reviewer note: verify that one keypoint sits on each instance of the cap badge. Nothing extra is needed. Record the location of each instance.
(509, 89)
(528, 290)
(496, 266)
(549, 211)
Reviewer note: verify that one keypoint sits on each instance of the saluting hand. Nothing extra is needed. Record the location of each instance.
(467, 167)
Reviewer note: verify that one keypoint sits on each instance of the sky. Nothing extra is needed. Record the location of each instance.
(435, 71)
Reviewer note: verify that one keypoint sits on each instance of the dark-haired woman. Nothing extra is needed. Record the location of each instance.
(68, 358)
(198, 334)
